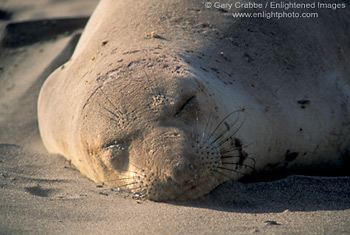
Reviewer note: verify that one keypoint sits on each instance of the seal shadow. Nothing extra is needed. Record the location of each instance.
(18, 34)
(27, 41)
(294, 193)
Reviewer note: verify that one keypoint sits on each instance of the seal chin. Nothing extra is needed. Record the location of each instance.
(195, 191)
(171, 191)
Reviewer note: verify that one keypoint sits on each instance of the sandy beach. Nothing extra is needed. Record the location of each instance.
(44, 194)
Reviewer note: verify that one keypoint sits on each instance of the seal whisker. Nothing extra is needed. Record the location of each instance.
(138, 196)
(109, 101)
(127, 190)
(236, 156)
(119, 186)
(142, 191)
(227, 169)
(239, 156)
(124, 185)
(155, 81)
(222, 134)
(228, 130)
(111, 112)
(230, 156)
(221, 173)
(224, 150)
(239, 164)
(110, 118)
(206, 126)
(235, 132)
(104, 115)
(102, 182)
(150, 87)
(131, 189)
(217, 127)
(139, 172)
(156, 93)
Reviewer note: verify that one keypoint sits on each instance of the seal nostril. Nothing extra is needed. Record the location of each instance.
(183, 173)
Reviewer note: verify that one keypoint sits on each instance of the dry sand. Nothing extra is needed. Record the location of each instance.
(43, 194)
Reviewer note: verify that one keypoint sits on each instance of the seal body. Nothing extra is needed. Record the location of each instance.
(170, 99)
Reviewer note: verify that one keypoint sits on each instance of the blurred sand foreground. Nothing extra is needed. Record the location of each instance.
(42, 194)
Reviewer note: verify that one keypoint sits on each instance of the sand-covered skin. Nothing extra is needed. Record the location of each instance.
(43, 194)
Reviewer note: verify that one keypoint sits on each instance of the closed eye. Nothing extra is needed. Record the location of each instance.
(115, 156)
(183, 106)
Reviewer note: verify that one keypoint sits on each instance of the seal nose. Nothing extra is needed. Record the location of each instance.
(183, 173)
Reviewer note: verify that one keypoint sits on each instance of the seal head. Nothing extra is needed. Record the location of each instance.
(152, 139)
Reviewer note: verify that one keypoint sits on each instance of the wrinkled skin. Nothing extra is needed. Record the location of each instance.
(211, 99)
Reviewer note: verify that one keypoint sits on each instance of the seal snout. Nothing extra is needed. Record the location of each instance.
(181, 165)
(183, 173)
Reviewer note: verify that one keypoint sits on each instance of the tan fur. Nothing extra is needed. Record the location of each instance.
(153, 111)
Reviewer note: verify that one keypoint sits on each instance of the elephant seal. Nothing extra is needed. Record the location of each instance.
(168, 99)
